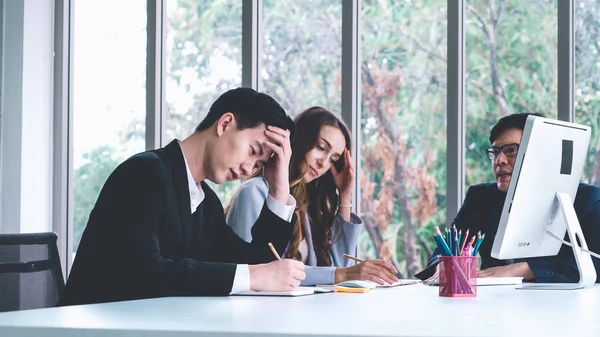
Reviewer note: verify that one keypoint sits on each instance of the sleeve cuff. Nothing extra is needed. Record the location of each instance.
(284, 211)
(318, 275)
(354, 219)
(241, 280)
(544, 274)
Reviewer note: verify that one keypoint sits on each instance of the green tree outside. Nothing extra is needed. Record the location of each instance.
(511, 66)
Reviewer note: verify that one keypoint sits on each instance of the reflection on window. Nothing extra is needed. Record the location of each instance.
(109, 95)
(587, 80)
(510, 61)
(403, 132)
(204, 53)
(301, 53)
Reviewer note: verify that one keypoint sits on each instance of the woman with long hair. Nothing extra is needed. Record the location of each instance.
(321, 179)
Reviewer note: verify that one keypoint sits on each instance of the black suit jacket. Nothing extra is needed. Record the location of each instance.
(142, 241)
(482, 209)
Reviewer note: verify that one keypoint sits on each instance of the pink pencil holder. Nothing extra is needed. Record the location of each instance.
(458, 276)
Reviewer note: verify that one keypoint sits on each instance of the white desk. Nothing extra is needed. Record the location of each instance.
(415, 310)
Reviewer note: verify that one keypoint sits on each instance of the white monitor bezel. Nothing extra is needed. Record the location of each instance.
(513, 242)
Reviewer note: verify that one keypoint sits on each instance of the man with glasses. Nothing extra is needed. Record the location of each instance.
(483, 204)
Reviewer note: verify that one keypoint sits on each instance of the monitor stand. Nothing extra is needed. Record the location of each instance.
(587, 272)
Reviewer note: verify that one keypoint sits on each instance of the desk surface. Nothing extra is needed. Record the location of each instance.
(414, 310)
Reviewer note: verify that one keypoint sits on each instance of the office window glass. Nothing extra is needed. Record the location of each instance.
(204, 59)
(109, 95)
(301, 53)
(510, 66)
(587, 80)
(403, 130)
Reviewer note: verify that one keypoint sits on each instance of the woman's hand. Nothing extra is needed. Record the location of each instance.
(378, 271)
(344, 179)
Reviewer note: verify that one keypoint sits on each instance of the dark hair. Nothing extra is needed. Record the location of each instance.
(318, 198)
(250, 108)
(513, 121)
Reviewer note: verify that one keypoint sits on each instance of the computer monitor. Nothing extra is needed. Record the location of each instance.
(539, 200)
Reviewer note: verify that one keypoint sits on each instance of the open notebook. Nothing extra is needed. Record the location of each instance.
(485, 281)
(373, 285)
(368, 284)
(498, 281)
(300, 291)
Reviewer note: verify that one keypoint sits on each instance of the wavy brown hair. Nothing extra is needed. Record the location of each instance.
(317, 199)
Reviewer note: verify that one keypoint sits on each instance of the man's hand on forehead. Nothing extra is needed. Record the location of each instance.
(277, 173)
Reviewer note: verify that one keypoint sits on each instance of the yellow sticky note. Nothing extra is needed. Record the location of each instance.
(351, 290)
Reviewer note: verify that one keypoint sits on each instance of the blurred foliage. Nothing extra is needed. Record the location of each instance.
(511, 66)
(88, 181)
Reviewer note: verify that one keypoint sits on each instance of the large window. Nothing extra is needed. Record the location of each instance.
(587, 80)
(510, 59)
(403, 129)
(511, 66)
(204, 53)
(109, 96)
(301, 53)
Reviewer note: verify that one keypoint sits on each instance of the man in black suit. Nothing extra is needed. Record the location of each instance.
(482, 209)
(158, 229)
(483, 204)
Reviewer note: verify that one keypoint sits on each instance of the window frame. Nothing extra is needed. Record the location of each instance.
(62, 217)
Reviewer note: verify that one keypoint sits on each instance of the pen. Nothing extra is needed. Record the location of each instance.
(464, 241)
(445, 247)
(353, 258)
(440, 243)
(468, 247)
(274, 251)
(477, 243)
(455, 250)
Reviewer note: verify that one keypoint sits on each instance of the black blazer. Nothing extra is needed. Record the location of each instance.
(142, 241)
(482, 209)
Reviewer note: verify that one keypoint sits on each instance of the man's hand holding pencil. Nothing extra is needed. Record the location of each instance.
(279, 275)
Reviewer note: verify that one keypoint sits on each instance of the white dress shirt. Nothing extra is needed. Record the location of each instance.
(241, 280)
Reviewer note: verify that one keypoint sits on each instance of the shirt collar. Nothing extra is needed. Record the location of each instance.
(196, 192)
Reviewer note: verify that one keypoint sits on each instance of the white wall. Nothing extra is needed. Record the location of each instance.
(11, 110)
(26, 203)
(36, 160)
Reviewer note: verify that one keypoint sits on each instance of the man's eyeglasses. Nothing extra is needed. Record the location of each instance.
(509, 150)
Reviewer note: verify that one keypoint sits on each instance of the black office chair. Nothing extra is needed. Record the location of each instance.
(30, 272)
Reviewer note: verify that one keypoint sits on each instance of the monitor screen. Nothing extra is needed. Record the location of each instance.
(550, 159)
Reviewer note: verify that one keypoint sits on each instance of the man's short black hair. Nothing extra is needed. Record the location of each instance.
(513, 121)
(250, 108)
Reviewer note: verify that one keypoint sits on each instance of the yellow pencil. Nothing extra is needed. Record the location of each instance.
(274, 251)
(353, 258)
